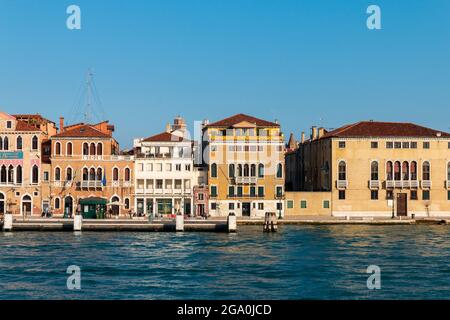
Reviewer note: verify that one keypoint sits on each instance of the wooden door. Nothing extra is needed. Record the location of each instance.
(402, 205)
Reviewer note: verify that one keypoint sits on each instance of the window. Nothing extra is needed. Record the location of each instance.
(279, 192)
(448, 195)
(214, 170)
(389, 195)
(230, 191)
(374, 194)
(342, 170)
(374, 145)
(448, 145)
(85, 149)
(5, 143)
(1, 143)
(231, 170)
(19, 175)
(159, 184)
(260, 170)
(389, 145)
(326, 204)
(127, 174)
(448, 171)
(413, 145)
(92, 149)
(69, 174)
(426, 145)
(8, 124)
(231, 206)
(69, 148)
(99, 149)
(341, 144)
(426, 171)
(260, 191)
(414, 195)
(213, 206)
(34, 143)
(426, 195)
(19, 143)
(374, 171)
(405, 171)
(127, 204)
(303, 204)
(290, 204)
(389, 169)
(177, 167)
(57, 203)
(279, 206)
(57, 174)
(253, 170)
(239, 191)
(35, 175)
(405, 145)
(397, 145)
(214, 191)
(246, 170)
(413, 170)
(201, 196)
(279, 170)
(341, 194)
(252, 191)
(115, 174)
(57, 148)
(169, 167)
(260, 206)
(397, 173)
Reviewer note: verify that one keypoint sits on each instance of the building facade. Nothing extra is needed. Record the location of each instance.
(372, 169)
(245, 160)
(86, 163)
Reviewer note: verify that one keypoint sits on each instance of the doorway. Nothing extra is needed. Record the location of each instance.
(246, 208)
(68, 207)
(402, 205)
(115, 207)
(26, 206)
(2, 204)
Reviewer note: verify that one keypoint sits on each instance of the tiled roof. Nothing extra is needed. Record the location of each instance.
(238, 118)
(23, 126)
(165, 137)
(384, 129)
(36, 117)
(83, 131)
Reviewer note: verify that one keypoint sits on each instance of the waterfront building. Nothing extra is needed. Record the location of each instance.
(21, 162)
(245, 160)
(165, 173)
(369, 168)
(88, 169)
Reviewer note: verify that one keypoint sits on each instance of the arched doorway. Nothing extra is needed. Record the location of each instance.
(115, 205)
(68, 207)
(26, 206)
(2, 204)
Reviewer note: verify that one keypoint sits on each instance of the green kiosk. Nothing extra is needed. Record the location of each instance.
(93, 208)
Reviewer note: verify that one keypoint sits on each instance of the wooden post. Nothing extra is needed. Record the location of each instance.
(8, 222)
(231, 222)
(179, 222)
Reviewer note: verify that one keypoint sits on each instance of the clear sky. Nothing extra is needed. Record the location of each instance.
(302, 62)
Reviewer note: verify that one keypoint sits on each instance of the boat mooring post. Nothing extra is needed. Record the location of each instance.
(8, 222)
(231, 222)
(77, 222)
(179, 222)
(270, 222)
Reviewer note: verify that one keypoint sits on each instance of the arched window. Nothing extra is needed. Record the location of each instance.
(19, 143)
(99, 174)
(57, 203)
(239, 170)
(127, 174)
(115, 174)
(69, 148)
(261, 170)
(3, 174)
(253, 170)
(1, 143)
(34, 143)
(405, 170)
(10, 174)
(57, 174)
(342, 170)
(99, 149)
(389, 170)
(85, 174)
(448, 171)
(57, 148)
(69, 174)
(35, 175)
(85, 149)
(92, 149)
(426, 172)
(397, 171)
(92, 174)
(231, 170)
(413, 170)
(280, 171)
(5, 143)
(374, 171)
(246, 170)
(127, 203)
(19, 175)
(214, 170)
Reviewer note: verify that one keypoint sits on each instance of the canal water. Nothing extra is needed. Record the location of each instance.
(298, 262)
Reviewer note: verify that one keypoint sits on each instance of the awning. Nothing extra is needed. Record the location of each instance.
(93, 201)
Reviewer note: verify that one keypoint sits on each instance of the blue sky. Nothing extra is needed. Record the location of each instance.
(301, 62)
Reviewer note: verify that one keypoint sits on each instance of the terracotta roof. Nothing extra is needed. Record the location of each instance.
(83, 131)
(165, 137)
(230, 121)
(36, 117)
(23, 126)
(384, 129)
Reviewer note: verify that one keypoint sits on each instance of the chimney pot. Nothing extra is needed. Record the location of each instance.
(61, 124)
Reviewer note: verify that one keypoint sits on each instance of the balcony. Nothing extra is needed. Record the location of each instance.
(402, 184)
(246, 180)
(426, 184)
(341, 184)
(91, 184)
(374, 184)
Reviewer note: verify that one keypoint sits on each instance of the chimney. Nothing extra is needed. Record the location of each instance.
(314, 133)
(61, 124)
(303, 137)
(168, 128)
(321, 132)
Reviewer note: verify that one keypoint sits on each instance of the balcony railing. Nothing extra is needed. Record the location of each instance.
(246, 180)
(341, 184)
(426, 184)
(402, 184)
(374, 184)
